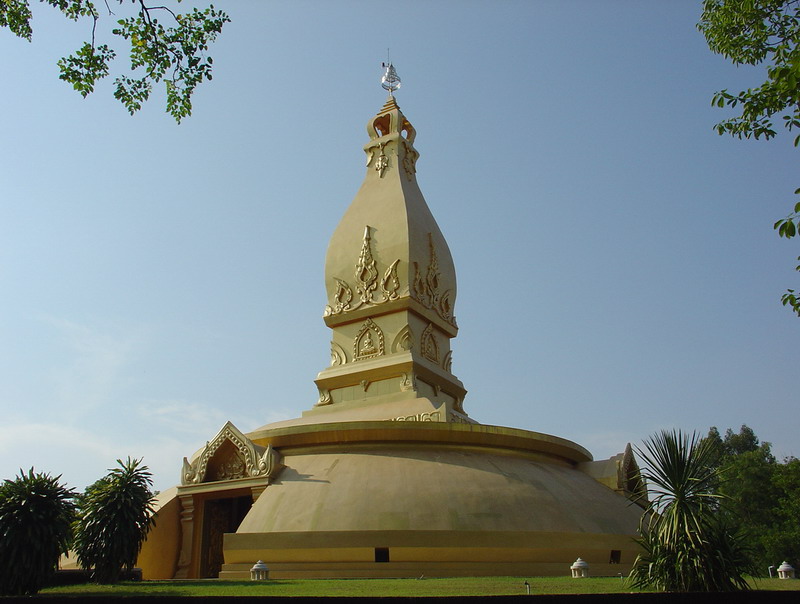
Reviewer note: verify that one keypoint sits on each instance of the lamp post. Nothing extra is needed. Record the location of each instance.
(785, 571)
(580, 569)
(259, 572)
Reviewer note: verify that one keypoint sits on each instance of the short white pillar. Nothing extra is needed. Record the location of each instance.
(785, 571)
(580, 569)
(259, 572)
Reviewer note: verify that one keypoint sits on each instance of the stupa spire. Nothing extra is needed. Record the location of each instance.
(391, 288)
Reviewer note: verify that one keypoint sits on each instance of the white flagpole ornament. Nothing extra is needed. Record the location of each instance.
(390, 80)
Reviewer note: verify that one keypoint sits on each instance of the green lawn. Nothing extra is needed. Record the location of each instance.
(466, 586)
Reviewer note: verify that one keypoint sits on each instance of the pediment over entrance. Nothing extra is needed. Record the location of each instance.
(230, 456)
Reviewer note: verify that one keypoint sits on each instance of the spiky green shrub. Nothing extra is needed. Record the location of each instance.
(114, 516)
(689, 542)
(36, 515)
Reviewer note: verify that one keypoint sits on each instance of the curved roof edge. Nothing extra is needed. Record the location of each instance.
(480, 435)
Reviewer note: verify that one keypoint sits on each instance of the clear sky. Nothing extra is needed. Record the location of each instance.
(618, 271)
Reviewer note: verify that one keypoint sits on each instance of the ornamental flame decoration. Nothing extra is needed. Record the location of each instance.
(367, 283)
(426, 289)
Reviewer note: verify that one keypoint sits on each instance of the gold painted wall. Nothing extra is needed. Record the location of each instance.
(159, 555)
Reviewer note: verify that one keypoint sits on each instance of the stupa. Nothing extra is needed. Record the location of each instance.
(387, 475)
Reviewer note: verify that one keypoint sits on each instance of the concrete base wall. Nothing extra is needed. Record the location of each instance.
(411, 570)
(351, 554)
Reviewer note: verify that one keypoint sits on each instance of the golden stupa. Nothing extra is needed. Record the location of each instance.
(387, 476)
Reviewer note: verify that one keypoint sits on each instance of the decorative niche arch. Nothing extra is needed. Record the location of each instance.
(447, 362)
(338, 355)
(430, 347)
(382, 125)
(369, 342)
(230, 456)
(403, 341)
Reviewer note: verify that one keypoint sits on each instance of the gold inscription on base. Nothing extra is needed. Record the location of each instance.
(419, 417)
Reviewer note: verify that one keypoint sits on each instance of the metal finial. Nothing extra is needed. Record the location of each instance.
(390, 80)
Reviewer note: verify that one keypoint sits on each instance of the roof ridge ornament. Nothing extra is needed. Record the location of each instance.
(390, 80)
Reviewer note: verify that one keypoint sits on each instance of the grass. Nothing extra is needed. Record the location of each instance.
(460, 586)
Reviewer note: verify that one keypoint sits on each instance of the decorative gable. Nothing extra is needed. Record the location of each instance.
(231, 456)
(629, 478)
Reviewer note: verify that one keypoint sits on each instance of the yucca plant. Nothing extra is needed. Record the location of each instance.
(114, 516)
(36, 514)
(689, 542)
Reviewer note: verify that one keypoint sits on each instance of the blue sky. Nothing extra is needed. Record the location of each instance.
(618, 272)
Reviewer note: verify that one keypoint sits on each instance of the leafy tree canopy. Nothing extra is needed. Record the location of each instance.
(755, 32)
(745, 441)
(783, 540)
(36, 514)
(115, 515)
(174, 53)
(763, 495)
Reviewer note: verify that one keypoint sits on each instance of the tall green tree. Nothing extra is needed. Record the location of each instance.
(763, 495)
(746, 469)
(760, 32)
(174, 53)
(687, 544)
(36, 515)
(114, 516)
(782, 540)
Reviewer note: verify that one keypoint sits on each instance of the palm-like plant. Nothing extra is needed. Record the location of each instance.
(114, 517)
(36, 514)
(689, 543)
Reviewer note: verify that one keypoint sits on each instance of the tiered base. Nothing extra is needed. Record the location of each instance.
(411, 554)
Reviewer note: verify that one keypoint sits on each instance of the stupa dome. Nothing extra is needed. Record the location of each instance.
(386, 474)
